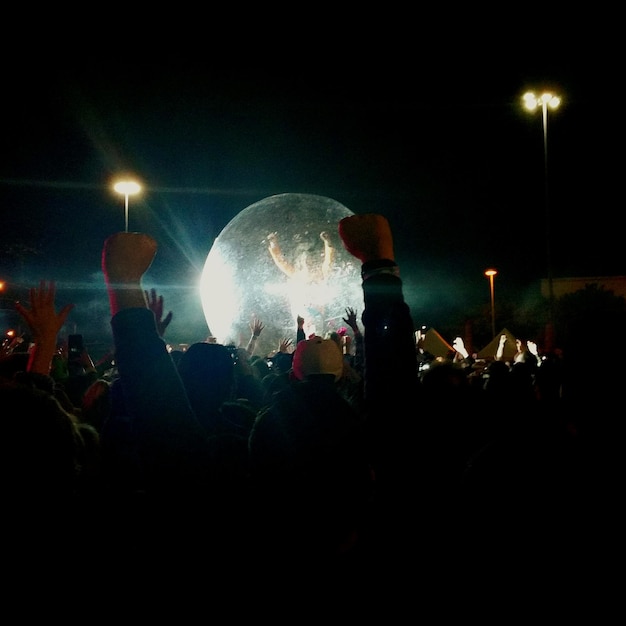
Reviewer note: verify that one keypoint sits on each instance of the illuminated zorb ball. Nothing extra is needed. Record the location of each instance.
(271, 263)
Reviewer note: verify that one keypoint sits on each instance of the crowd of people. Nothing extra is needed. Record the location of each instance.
(337, 460)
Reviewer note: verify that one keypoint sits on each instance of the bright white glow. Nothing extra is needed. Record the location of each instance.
(551, 100)
(241, 281)
(127, 188)
(304, 296)
(531, 102)
(220, 298)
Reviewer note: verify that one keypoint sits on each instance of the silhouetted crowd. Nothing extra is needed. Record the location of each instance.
(336, 468)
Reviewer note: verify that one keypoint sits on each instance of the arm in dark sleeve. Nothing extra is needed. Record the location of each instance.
(389, 345)
(171, 442)
(390, 373)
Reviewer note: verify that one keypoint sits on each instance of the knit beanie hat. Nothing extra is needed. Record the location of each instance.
(316, 356)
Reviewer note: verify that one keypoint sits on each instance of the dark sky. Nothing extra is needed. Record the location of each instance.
(442, 147)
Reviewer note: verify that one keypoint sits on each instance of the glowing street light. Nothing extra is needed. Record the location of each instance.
(127, 188)
(545, 101)
(490, 274)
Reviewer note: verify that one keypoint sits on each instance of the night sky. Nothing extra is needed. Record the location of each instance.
(443, 148)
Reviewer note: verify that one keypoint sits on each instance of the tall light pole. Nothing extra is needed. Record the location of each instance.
(127, 188)
(490, 274)
(545, 101)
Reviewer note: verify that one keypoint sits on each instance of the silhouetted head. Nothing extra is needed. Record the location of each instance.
(310, 465)
(12, 363)
(208, 374)
(41, 445)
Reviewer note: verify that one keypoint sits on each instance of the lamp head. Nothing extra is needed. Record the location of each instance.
(127, 188)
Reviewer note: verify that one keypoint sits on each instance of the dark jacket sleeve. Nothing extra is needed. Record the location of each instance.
(391, 383)
(390, 358)
(170, 441)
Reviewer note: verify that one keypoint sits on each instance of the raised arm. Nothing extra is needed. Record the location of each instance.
(256, 328)
(171, 441)
(155, 304)
(329, 254)
(390, 373)
(389, 350)
(44, 323)
(277, 256)
(500, 348)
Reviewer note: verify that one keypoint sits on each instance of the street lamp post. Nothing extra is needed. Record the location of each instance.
(490, 274)
(127, 188)
(545, 101)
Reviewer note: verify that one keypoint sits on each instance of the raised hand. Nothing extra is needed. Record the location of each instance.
(44, 323)
(125, 259)
(500, 349)
(367, 237)
(155, 304)
(273, 240)
(459, 345)
(256, 326)
(127, 256)
(284, 345)
(351, 320)
(42, 319)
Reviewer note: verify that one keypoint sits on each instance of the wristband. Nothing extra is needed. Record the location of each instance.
(383, 266)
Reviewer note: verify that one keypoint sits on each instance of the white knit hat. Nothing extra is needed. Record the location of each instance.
(317, 356)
